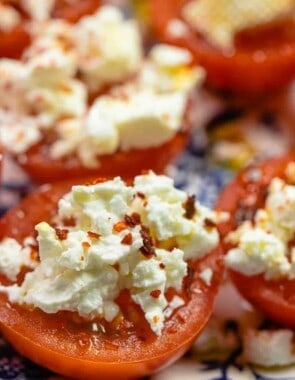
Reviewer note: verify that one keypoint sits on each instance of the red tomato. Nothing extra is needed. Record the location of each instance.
(42, 168)
(241, 198)
(13, 42)
(72, 12)
(264, 57)
(125, 348)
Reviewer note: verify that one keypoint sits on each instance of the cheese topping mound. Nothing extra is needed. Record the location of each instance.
(125, 237)
(145, 112)
(220, 20)
(262, 246)
(261, 347)
(109, 47)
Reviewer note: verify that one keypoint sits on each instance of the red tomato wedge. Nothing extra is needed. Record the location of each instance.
(14, 41)
(241, 198)
(123, 349)
(264, 57)
(73, 11)
(42, 168)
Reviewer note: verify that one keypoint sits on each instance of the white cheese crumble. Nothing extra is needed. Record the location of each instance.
(269, 347)
(262, 245)
(109, 47)
(125, 237)
(13, 257)
(206, 275)
(38, 10)
(9, 18)
(220, 20)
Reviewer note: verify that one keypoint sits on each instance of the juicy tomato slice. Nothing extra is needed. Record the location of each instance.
(13, 42)
(264, 57)
(241, 198)
(42, 168)
(126, 349)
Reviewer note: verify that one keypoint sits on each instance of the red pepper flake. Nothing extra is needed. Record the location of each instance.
(190, 207)
(127, 239)
(132, 220)
(85, 245)
(34, 254)
(61, 233)
(140, 195)
(69, 222)
(155, 293)
(147, 249)
(162, 266)
(93, 235)
(119, 226)
(117, 267)
(209, 223)
(156, 318)
(96, 181)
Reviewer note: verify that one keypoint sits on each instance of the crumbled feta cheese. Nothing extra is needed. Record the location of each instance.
(13, 257)
(145, 112)
(18, 133)
(262, 246)
(269, 347)
(9, 18)
(177, 28)
(206, 276)
(219, 21)
(114, 123)
(38, 10)
(108, 46)
(12, 76)
(167, 69)
(170, 56)
(114, 245)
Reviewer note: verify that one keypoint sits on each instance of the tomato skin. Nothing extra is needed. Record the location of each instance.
(13, 42)
(275, 298)
(52, 343)
(255, 68)
(41, 168)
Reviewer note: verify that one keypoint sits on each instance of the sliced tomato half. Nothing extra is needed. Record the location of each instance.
(123, 349)
(241, 198)
(264, 57)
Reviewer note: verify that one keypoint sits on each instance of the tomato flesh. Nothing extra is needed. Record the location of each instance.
(241, 198)
(264, 57)
(125, 349)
